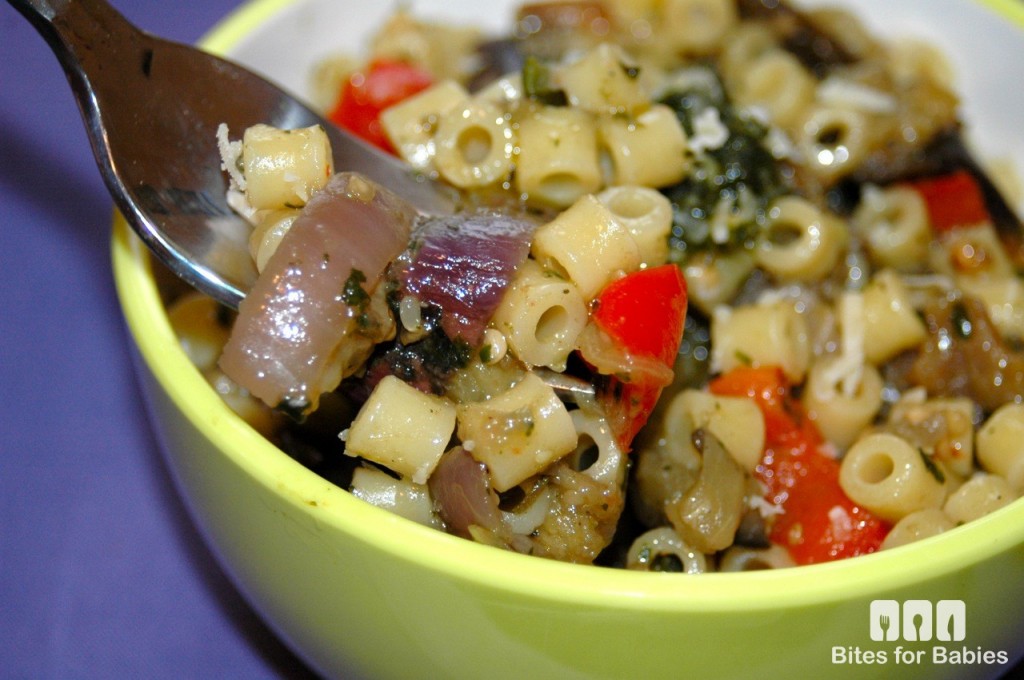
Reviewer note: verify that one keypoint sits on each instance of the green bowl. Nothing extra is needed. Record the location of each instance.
(356, 590)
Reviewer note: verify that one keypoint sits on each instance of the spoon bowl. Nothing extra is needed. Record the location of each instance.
(152, 107)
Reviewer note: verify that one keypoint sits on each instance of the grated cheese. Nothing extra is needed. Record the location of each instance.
(764, 508)
(843, 93)
(230, 153)
(709, 132)
(847, 371)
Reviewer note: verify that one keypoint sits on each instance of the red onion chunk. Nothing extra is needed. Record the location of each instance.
(463, 264)
(462, 494)
(287, 343)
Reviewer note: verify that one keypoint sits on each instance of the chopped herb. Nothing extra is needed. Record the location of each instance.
(961, 322)
(740, 177)
(486, 352)
(667, 562)
(537, 83)
(932, 467)
(426, 363)
(353, 293)
(587, 458)
(294, 407)
(632, 72)
(225, 316)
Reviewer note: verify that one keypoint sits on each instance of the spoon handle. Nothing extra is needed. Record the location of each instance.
(82, 33)
(144, 102)
(93, 42)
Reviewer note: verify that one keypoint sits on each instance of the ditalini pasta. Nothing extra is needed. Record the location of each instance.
(284, 168)
(725, 289)
(541, 316)
(889, 476)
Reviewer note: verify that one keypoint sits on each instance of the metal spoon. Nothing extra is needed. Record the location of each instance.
(151, 109)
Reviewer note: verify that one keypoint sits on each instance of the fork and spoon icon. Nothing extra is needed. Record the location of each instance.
(915, 631)
(920, 620)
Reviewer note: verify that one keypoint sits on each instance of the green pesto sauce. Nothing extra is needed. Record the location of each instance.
(741, 169)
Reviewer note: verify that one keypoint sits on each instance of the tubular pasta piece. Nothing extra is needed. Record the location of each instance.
(662, 549)
(268, 233)
(541, 316)
(698, 26)
(832, 140)
(802, 243)
(518, 433)
(646, 214)
(196, 321)
(604, 80)
(411, 123)
(777, 81)
(916, 526)
(712, 279)
(558, 159)
(609, 467)
(889, 314)
(998, 444)
(770, 334)
(736, 422)
(894, 223)
(744, 44)
(978, 496)
(473, 145)
(399, 496)
(841, 417)
(401, 428)
(588, 244)
(648, 150)
(889, 477)
(284, 168)
(740, 558)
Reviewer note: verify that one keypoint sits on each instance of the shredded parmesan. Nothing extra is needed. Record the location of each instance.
(846, 372)
(230, 156)
(238, 202)
(842, 523)
(843, 93)
(720, 220)
(410, 314)
(230, 153)
(709, 132)
(780, 146)
(764, 508)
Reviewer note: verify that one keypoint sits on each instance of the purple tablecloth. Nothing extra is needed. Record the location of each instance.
(101, 572)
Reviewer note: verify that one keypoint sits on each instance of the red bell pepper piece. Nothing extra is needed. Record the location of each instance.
(643, 313)
(368, 92)
(819, 522)
(953, 200)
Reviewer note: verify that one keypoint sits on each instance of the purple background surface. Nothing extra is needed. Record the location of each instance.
(101, 572)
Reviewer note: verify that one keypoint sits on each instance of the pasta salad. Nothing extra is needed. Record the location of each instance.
(726, 290)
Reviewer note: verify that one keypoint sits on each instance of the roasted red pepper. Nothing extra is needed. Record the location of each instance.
(953, 200)
(643, 313)
(819, 523)
(368, 92)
